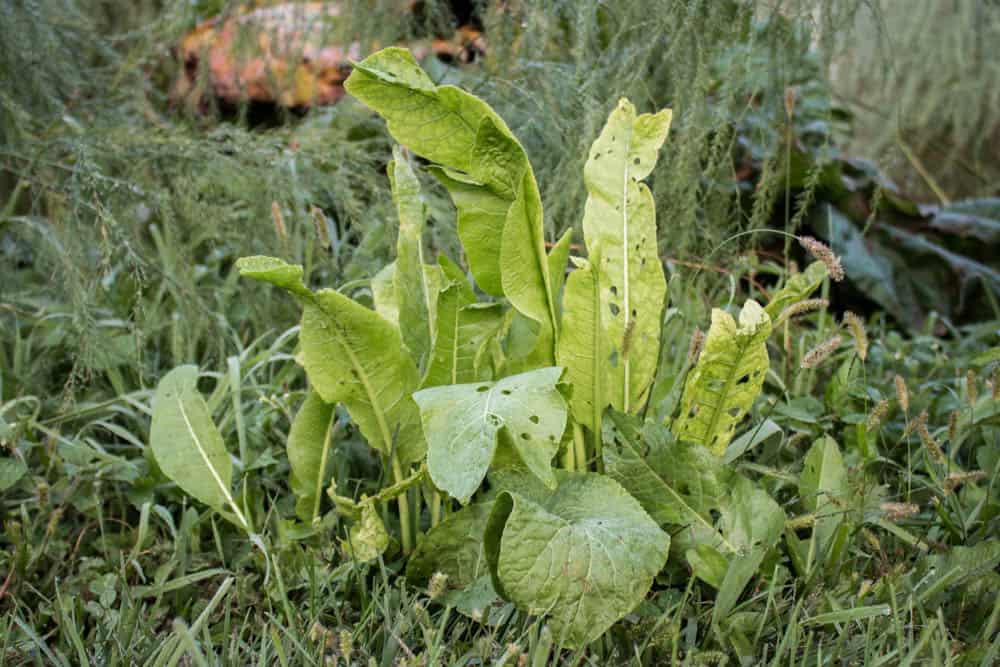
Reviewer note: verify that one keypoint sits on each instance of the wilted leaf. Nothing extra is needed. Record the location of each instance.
(367, 538)
(484, 168)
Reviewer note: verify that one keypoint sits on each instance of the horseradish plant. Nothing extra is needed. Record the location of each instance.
(519, 466)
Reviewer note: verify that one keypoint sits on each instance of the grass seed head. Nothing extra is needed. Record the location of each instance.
(971, 390)
(821, 352)
(857, 329)
(957, 479)
(899, 511)
(933, 449)
(822, 252)
(902, 393)
(801, 308)
(878, 414)
(695, 346)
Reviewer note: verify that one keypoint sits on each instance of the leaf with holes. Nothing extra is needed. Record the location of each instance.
(462, 424)
(188, 446)
(484, 168)
(585, 553)
(309, 448)
(619, 227)
(727, 378)
(355, 356)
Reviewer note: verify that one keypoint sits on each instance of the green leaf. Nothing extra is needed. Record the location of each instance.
(580, 349)
(727, 378)
(619, 227)
(416, 285)
(384, 296)
(585, 553)
(676, 482)
(484, 168)
(824, 491)
(454, 547)
(275, 271)
(462, 424)
(309, 443)
(12, 469)
(367, 539)
(355, 356)
(187, 445)
(797, 288)
(753, 523)
(464, 330)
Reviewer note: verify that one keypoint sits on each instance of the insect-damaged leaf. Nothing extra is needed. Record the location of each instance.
(619, 223)
(727, 378)
(613, 303)
(484, 168)
(463, 423)
(585, 553)
(354, 356)
(187, 445)
(309, 447)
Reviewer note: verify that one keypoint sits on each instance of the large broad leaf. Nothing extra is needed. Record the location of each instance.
(463, 424)
(727, 378)
(309, 448)
(585, 553)
(461, 342)
(416, 285)
(355, 356)
(797, 288)
(482, 165)
(619, 227)
(454, 548)
(823, 489)
(187, 445)
(677, 483)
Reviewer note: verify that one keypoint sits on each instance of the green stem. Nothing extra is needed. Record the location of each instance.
(580, 447)
(435, 507)
(569, 458)
(405, 527)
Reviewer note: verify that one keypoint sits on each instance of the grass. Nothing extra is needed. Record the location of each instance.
(119, 230)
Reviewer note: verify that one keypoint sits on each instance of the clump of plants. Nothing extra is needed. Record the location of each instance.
(534, 450)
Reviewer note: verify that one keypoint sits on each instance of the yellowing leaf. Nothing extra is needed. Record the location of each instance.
(727, 378)
(610, 334)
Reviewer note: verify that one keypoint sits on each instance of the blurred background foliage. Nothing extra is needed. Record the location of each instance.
(124, 204)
